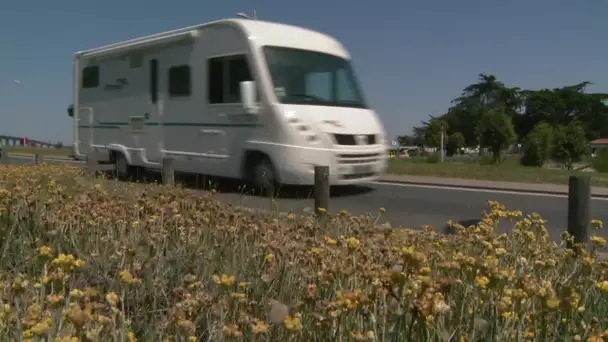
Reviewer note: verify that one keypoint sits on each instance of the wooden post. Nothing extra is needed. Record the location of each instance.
(321, 187)
(579, 199)
(91, 163)
(37, 159)
(168, 173)
(3, 156)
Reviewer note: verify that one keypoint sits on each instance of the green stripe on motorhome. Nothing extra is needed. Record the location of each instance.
(116, 125)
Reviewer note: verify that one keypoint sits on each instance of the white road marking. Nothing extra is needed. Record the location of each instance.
(495, 191)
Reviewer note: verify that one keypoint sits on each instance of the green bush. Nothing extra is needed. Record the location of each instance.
(433, 158)
(537, 146)
(455, 142)
(600, 162)
(569, 144)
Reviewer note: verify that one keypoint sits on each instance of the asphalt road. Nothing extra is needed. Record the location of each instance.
(408, 205)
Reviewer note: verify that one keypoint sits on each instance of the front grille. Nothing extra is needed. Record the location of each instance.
(358, 158)
(357, 176)
(358, 165)
(351, 139)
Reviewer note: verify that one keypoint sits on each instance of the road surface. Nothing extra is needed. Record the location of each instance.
(410, 205)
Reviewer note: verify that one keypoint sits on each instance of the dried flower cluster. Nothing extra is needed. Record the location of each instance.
(98, 260)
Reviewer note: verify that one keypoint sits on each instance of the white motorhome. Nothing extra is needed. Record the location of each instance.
(237, 98)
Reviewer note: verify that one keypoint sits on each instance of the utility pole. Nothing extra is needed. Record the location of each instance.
(442, 142)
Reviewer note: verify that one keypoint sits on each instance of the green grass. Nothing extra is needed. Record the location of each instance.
(473, 168)
(59, 152)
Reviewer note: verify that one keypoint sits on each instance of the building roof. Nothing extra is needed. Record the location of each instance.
(600, 141)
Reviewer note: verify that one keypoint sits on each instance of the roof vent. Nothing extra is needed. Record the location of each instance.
(246, 16)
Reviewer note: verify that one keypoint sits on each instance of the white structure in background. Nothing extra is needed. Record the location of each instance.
(237, 98)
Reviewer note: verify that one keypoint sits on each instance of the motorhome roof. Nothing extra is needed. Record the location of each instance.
(264, 32)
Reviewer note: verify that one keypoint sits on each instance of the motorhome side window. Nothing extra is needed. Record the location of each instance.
(90, 77)
(179, 81)
(224, 76)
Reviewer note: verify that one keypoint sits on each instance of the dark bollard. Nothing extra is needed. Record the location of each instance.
(579, 199)
(321, 187)
(91, 163)
(168, 172)
(37, 159)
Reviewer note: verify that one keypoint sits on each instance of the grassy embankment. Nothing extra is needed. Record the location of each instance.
(103, 260)
(51, 152)
(478, 169)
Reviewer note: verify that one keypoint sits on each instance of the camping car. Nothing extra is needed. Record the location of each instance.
(237, 98)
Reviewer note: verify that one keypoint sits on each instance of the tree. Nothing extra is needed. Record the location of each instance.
(538, 145)
(569, 144)
(455, 142)
(560, 106)
(410, 140)
(486, 91)
(495, 130)
(433, 132)
(419, 134)
(475, 100)
(526, 108)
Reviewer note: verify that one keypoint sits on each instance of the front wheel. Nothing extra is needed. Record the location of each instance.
(265, 177)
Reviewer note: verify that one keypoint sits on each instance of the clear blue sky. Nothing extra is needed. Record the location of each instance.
(412, 58)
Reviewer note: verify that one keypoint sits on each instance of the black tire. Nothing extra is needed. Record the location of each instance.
(122, 168)
(264, 177)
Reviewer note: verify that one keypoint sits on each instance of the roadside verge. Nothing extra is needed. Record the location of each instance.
(549, 189)
(45, 156)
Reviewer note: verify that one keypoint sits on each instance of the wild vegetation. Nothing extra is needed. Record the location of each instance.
(97, 260)
(551, 124)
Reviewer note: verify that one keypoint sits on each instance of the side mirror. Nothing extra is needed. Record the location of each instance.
(249, 96)
(71, 111)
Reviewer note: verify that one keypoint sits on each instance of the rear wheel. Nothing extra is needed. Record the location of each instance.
(124, 171)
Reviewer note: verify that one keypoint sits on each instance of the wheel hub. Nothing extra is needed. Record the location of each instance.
(264, 175)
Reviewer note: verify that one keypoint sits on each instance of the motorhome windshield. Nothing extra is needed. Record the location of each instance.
(312, 78)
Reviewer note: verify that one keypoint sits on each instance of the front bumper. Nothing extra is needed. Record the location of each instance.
(295, 165)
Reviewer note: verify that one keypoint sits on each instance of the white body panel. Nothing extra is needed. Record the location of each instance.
(119, 114)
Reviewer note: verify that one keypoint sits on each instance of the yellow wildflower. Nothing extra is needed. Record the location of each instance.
(292, 323)
(598, 241)
(603, 286)
(553, 303)
(259, 327)
(353, 242)
(232, 330)
(224, 279)
(45, 251)
(55, 300)
(112, 298)
(482, 281)
(127, 278)
(269, 257)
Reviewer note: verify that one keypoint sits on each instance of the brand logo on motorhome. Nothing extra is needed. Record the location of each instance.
(335, 123)
(118, 85)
